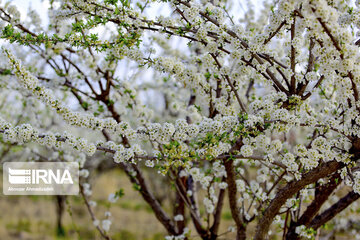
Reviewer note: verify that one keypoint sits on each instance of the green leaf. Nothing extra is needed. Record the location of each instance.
(5, 72)
(85, 105)
(120, 193)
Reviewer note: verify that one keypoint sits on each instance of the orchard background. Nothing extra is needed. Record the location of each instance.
(188, 119)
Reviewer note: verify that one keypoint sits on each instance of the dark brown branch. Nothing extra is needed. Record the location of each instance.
(328, 32)
(321, 196)
(274, 33)
(194, 216)
(179, 209)
(251, 84)
(311, 61)
(242, 106)
(217, 215)
(310, 67)
(284, 77)
(232, 193)
(150, 199)
(289, 190)
(332, 211)
(318, 83)
(338, 47)
(276, 81)
(293, 59)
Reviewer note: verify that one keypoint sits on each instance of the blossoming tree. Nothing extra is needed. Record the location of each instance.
(260, 110)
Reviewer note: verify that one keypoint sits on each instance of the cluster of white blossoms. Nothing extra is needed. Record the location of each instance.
(246, 150)
(209, 205)
(182, 236)
(87, 189)
(219, 170)
(113, 198)
(304, 232)
(25, 133)
(206, 183)
(181, 131)
(179, 217)
(240, 185)
(32, 84)
(106, 224)
(356, 183)
(289, 161)
(199, 176)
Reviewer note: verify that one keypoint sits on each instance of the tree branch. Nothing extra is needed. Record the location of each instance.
(332, 211)
(290, 189)
(321, 195)
(232, 192)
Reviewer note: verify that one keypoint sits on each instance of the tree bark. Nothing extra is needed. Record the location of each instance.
(289, 190)
(60, 205)
(321, 195)
(331, 212)
(232, 192)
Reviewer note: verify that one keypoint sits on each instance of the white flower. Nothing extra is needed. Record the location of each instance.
(240, 185)
(91, 149)
(106, 224)
(96, 222)
(246, 150)
(302, 231)
(84, 173)
(87, 190)
(149, 163)
(208, 205)
(223, 185)
(178, 218)
(113, 198)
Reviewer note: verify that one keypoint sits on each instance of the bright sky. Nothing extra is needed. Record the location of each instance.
(41, 7)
